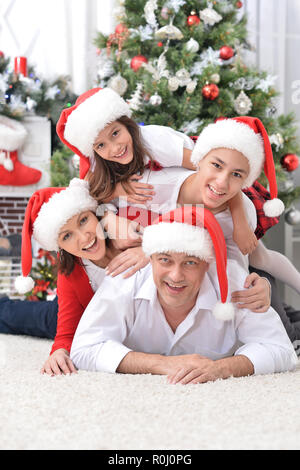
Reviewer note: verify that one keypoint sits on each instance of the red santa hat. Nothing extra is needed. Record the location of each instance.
(79, 125)
(195, 231)
(249, 136)
(47, 212)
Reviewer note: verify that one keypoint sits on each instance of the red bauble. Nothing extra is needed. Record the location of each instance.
(210, 91)
(137, 61)
(239, 4)
(226, 52)
(1, 54)
(290, 162)
(193, 20)
(160, 44)
(121, 28)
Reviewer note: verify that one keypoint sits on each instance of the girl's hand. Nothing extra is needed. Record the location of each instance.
(133, 258)
(257, 297)
(59, 363)
(245, 239)
(139, 192)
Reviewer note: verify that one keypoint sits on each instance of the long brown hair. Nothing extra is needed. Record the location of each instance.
(107, 174)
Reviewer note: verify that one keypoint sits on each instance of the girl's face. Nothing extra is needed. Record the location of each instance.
(83, 236)
(222, 173)
(114, 143)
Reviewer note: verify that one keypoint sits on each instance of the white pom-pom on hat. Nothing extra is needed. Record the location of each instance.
(24, 284)
(273, 208)
(224, 311)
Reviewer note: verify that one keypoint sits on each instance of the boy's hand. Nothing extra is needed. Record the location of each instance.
(256, 297)
(245, 239)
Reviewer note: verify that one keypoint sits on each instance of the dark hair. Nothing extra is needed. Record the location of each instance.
(66, 262)
(107, 174)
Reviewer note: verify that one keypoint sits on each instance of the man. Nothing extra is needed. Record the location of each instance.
(167, 319)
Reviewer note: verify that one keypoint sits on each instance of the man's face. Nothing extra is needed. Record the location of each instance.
(178, 278)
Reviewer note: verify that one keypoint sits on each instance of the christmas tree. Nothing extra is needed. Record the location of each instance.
(180, 63)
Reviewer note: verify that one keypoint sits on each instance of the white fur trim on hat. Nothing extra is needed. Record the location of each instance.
(91, 116)
(61, 207)
(273, 208)
(12, 134)
(231, 134)
(24, 284)
(179, 238)
(224, 311)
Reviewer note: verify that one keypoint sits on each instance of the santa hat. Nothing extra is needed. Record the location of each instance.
(47, 212)
(249, 136)
(195, 231)
(79, 125)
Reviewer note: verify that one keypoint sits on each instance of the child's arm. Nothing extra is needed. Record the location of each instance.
(276, 264)
(186, 159)
(243, 235)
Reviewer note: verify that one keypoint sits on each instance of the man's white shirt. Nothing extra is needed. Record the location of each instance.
(125, 315)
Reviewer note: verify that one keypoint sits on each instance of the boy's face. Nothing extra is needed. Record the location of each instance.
(222, 173)
(114, 143)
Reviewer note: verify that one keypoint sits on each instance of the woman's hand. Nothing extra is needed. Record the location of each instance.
(59, 363)
(133, 258)
(139, 192)
(256, 297)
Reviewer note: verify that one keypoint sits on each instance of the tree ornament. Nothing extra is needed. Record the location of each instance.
(119, 37)
(149, 10)
(192, 45)
(277, 140)
(118, 84)
(137, 61)
(242, 104)
(215, 78)
(173, 83)
(121, 28)
(159, 44)
(226, 52)
(209, 16)
(289, 162)
(239, 4)
(193, 19)
(155, 99)
(1, 55)
(169, 32)
(210, 91)
(190, 88)
(183, 77)
(165, 12)
(136, 99)
(292, 216)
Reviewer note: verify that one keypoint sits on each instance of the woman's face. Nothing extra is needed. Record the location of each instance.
(222, 173)
(114, 143)
(83, 236)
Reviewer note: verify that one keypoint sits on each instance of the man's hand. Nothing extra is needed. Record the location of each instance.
(59, 363)
(200, 369)
(256, 297)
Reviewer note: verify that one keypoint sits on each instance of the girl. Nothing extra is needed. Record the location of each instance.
(114, 151)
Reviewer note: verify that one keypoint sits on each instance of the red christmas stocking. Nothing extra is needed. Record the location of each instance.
(13, 172)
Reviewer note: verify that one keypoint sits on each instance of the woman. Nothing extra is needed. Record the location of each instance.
(64, 220)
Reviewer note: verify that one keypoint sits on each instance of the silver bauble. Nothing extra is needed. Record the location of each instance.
(292, 216)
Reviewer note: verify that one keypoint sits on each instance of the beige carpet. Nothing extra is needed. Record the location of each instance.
(103, 411)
